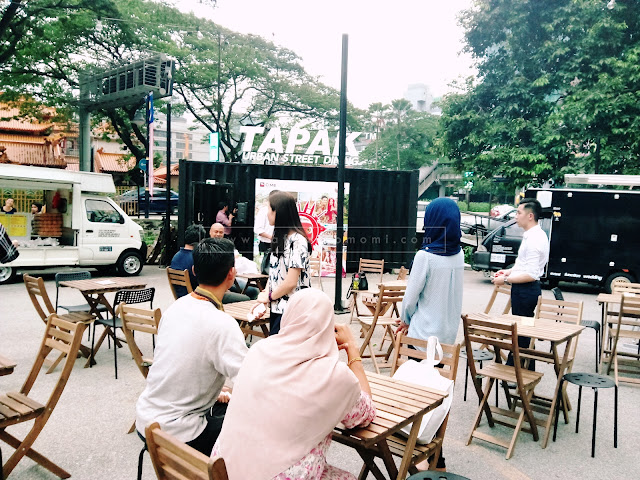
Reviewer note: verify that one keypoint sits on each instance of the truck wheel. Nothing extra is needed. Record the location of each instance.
(129, 264)
(7, 274)
(617, 277)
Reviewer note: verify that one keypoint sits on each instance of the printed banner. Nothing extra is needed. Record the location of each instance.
(317, 206)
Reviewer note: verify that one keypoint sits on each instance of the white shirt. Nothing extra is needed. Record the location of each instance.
(533, 254)
(198, 346)
(262, 225)
(295, 255)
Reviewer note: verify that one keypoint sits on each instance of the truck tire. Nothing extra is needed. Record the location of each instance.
(130, 264)
(617, 276)
(7, 274)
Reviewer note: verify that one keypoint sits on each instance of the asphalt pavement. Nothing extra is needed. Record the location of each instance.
(86, 435)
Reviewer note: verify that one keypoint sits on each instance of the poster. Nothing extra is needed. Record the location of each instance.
(317, 206)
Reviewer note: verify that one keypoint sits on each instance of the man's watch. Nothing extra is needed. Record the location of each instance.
(506, 280)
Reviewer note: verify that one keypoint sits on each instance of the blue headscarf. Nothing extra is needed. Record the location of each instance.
(442, 227)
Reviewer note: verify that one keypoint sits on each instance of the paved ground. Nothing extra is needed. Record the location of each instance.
(87, 436)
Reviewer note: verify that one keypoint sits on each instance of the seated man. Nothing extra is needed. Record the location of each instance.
(243, 265)
(198, 347)
(183, 260)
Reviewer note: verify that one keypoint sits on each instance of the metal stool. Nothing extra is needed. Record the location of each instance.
(594, 381)
(479, 355)
(433, 475)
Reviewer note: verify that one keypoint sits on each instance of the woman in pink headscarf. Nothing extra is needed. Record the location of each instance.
(292, 390)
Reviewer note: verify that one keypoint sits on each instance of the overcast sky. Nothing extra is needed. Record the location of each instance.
(391, 43)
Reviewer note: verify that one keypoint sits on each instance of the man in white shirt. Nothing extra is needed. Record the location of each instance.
(197, 348)
(533, 255)
(264, 230)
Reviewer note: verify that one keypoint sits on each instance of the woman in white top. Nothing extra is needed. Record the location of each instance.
(289, 257)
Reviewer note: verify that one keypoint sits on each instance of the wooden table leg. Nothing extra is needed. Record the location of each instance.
(408, 451)
(369, 466)
(552, 408)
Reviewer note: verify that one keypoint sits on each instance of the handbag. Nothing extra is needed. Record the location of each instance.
(358, 283)
(425, 374)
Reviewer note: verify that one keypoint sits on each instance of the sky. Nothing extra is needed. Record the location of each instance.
(392, 44)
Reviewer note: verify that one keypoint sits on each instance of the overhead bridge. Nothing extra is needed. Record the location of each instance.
(438, 173)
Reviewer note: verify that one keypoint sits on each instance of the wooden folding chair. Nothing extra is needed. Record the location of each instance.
(449, 369)
(174, 460)
(504, 289)
(40, 299)
(144, 320)
(560, 311)
(315, 270)
(367, 266)
(388, 299)
(403, 273)
(19, 407)
(501, 336)
(179, 278)
(625, 327)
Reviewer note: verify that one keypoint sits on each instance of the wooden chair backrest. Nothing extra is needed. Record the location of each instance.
(315, 270)
(178, 277)
(135, 319)
(561, 311)
(505, 289)
(35, 288)
(64, 337)
(403, 273)
(174, 460)
(480, 329)
(371, 266)
(629, 311)
(621, 286)
(388, 298)
(449, 362)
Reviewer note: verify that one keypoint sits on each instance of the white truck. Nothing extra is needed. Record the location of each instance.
(80, 225)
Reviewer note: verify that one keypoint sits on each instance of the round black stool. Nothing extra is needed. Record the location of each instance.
(479, 355)
(433, 475)
(594, 381)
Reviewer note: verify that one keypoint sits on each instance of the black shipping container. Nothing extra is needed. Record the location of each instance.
(381, 210)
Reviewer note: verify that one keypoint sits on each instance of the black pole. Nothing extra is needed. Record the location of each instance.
(342, 135)
(167, 221)
(149, 160)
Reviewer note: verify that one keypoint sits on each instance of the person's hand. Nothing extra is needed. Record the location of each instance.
(402, 328)
(498, 280)
(259, 310)
(235, 210)
(499, 273)
(15, 243)
(224, 397)
(263, 297)
(344, 337)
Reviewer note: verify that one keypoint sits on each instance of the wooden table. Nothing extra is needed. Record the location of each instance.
(239, 311)
(6, 367)
(256, 279)
(397, 405)
(94, 291)
(551, 331)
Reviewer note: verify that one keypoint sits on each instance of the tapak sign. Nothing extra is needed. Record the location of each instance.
(275, 150)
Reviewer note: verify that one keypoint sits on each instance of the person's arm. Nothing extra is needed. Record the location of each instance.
(346, 342)
(415, 286)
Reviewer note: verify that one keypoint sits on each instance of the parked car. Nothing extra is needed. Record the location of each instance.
(134, 201)
(471, 223)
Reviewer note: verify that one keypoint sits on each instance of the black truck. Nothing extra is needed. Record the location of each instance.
(594, 236)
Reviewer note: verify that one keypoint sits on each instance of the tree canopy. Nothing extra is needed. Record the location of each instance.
(558, 90)
(225, 79)
(404, 139)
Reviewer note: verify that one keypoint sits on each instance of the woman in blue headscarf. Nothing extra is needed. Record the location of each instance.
(433, 300)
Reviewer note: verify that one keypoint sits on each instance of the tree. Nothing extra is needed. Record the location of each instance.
(224, 78)
(411, 149)
(400, 108)
(377, 116)
(557, 90)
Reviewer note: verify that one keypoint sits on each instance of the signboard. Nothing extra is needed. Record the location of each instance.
(214, 147)
(317, 206)
(299, 146)
(15, 225)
